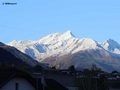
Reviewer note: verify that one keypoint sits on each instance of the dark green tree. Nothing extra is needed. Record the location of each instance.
(38, 68)
(53, 67)
(72, 68)
(88, 80)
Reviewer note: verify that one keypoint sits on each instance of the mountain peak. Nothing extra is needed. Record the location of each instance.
(111, 46)
(68, 34)
(111, 41)
(68, 31)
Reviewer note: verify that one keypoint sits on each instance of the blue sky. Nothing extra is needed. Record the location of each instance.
(33, 19)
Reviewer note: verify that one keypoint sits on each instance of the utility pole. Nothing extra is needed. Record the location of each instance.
(37, 83)
(43, 80)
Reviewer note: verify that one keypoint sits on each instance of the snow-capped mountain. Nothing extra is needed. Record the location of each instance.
(57, 45)
(111, 45)
(20, 57)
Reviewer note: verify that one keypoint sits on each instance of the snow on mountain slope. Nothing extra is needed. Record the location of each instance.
(55, 44)
(18, 54)
(71, 50)
(111, 45)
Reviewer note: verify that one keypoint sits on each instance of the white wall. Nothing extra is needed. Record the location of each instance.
(23, 84)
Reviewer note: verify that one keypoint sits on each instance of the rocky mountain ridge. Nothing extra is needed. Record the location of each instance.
(17, 54)
(58, 45)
